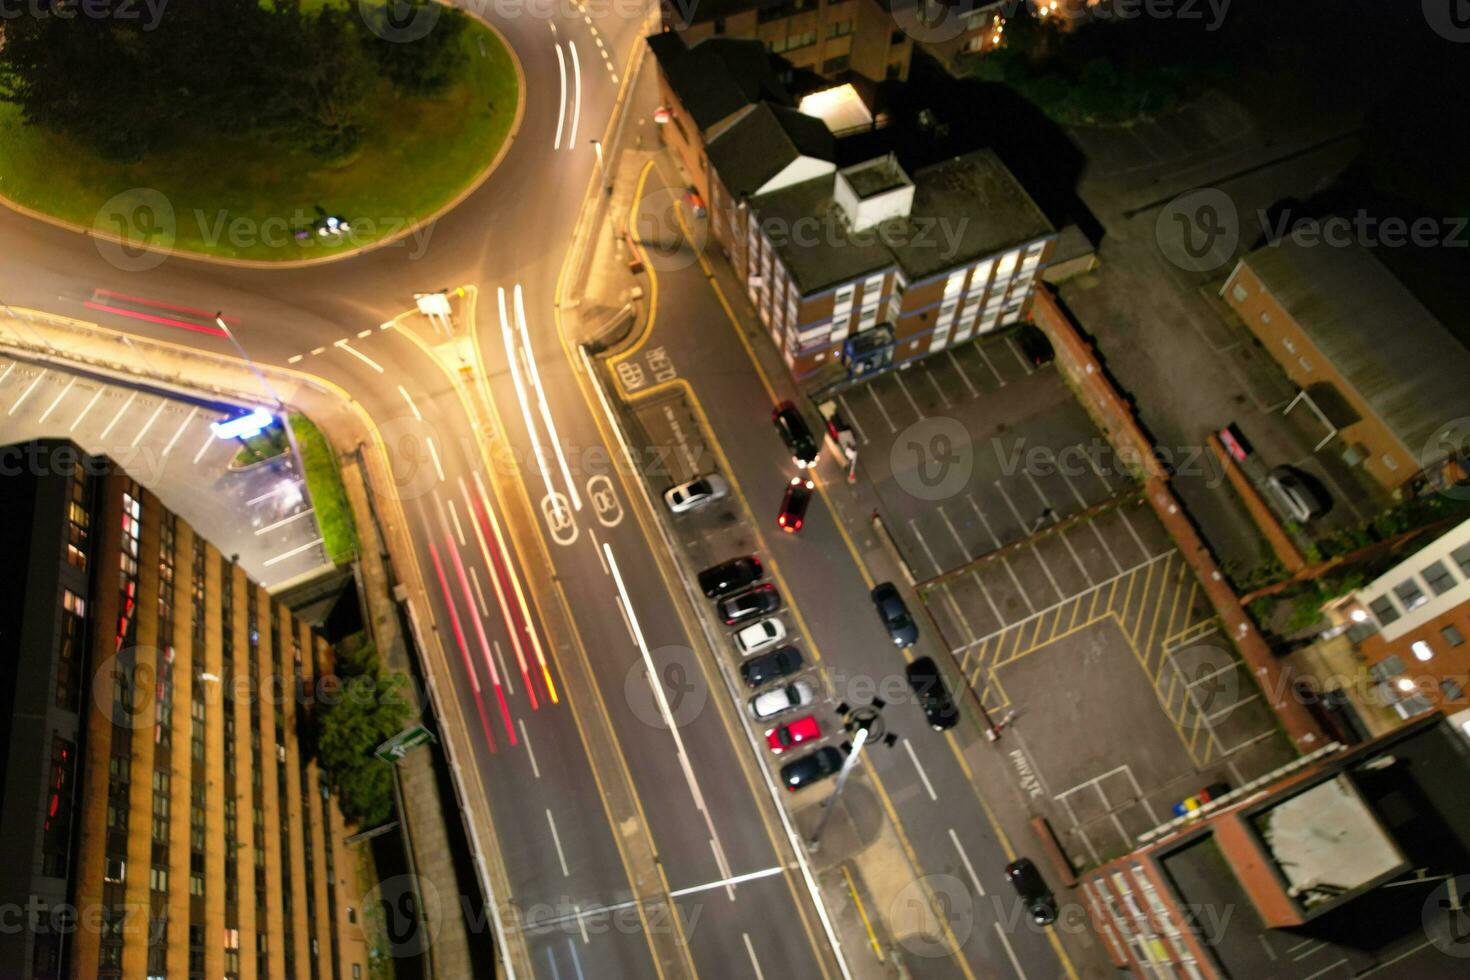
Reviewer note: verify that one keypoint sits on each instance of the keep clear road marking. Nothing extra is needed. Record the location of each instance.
(359, 355)
(556, 839)
(753, 961)
(969, 868)
(928, 786)
(535, 769)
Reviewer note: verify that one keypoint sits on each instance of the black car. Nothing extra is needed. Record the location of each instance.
(1034, 345)
(1040, 903)
(767, 667)
(895, 614)
(934, 697)
(749, 604)
(813, 768)
(795, 434)
(730, 576)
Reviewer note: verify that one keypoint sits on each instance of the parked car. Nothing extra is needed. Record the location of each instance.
(1190, 804)
(769, 704)
(1034, 345)
(760, 636)
(895, 614)
(745, 605)
(730, 576)
(814, 768)
(1040, 903)
(783, 737)
(795, 434)
(939, 708)
(781, 662)
(1299, 494)
(696, 493)
(794, 503)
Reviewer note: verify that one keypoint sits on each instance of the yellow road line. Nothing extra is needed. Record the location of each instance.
(863, 914)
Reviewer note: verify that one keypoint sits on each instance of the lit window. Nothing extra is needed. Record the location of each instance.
(1421, 650)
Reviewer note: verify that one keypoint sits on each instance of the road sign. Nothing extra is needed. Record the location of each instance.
(394, 749)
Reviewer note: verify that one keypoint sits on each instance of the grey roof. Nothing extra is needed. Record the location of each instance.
(762, 143)
(964, 209)
(718, 76)
(1380, 338)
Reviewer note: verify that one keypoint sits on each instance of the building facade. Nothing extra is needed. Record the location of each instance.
(160, 815)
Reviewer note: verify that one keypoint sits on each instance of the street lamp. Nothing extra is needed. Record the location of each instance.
(219, 318)
(601, 165)
(866, 724)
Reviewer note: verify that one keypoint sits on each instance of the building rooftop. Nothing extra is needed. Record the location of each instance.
(762, 143)
(718, 76)
(1383, 341)
(963, 209)
(840, 107)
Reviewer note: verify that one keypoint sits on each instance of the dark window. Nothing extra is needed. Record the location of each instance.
(838, 63)
(1384, 609)
(1452, 635)
(1438, 577)
(1461, 555)
(898, 37)
(895, 70)
(56, 826)
(719, 25)
(1451, 689)
(1410, 595)
(70, 653)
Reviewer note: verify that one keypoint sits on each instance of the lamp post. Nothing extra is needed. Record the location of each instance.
(219, 318)
(601, 165)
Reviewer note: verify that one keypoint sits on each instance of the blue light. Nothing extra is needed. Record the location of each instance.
(243, 426)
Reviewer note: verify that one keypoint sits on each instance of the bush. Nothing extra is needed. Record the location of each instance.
(328, 496)
(370, 707)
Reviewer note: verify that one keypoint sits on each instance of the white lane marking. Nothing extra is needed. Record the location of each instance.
(479, 592)
(149, 424)
(969, 868)
(85, 409)
(913, 757)
(726, 882)
(597, 546)
(180, 430)
(753, 961)
(504, 674)
(318, 350)
(204, 447)
(285, 520)
(364, 333)
(526, 739)
(27, 393)
(359, 355)
(515, 374)
(411, 406)
(1010, 952)
(118, 417)
(658, 693)
(577, 960)
(555, 973)
(561, 458)
(628, 625)
(577, 92)
(292, 552)
(898, 376)
(556, 839)
(723, 865)
(434, 455)
(271, 493)
(52, 407)
(458, 529)
(561, 102)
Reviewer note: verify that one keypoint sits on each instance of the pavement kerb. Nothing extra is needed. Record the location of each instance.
(346, 422)
(405, 232)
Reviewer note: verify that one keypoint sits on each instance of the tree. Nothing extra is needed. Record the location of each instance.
(425, 65)
(369, 707)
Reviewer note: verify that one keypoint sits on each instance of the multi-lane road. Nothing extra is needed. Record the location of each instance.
(537, 586)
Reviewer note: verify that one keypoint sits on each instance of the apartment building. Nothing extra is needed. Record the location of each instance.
(1340, 857)
(1379, 371)
(868, 267)
(1410, 626)
(161, 818)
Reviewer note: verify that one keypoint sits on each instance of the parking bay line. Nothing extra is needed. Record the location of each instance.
(974, 392)
(986, 358)
(47, 414)
(149, 424)
(851, 418)
(29, 388)
(85, 409)
(180, 430)
(898, 376)
(283, 521)
(928, 786)
(914, 526)
(881, 410)
(955, 534)
(118, 417)
(938, 388)
(292, 553)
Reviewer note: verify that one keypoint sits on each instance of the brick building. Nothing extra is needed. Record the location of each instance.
(159, 814)
(1337, 857)
(1379, 371)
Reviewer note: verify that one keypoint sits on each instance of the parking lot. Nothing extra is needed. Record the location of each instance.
(259, 513)
(975, 448)
(1099, 621)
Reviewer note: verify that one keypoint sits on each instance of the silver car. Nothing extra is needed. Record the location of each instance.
(797, 694)
(696, 493)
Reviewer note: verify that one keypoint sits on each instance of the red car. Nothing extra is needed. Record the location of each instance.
(794, 504)
(793, 733)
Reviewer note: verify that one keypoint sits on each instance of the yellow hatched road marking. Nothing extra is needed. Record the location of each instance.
(1153, 626)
